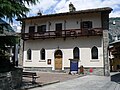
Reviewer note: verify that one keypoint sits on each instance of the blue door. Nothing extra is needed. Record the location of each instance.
(73, 65)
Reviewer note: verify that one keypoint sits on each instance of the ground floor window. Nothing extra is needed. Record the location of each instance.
(29, 54)
(42, 54)
(76, 53)
(94, 52)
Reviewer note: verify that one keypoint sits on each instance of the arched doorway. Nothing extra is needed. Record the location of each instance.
(58, 60)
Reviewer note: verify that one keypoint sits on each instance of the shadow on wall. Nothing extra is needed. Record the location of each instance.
(116, 78)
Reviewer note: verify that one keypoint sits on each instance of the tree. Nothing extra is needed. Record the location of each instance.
(14, 8)
(10, 9)
(8, 40)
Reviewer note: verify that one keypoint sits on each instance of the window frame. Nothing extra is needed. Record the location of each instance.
(31, 29)
(42, 54)
(86, 24)
(41, 29)
(74, 53)
(29, 54)
(94, 53)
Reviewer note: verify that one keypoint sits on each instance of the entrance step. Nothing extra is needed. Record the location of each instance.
(59, 71)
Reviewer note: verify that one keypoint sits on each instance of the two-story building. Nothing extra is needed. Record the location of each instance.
(50, 41)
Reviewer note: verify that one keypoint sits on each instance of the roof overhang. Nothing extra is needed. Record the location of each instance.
(106, 9)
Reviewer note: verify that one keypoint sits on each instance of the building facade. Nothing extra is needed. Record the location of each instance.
(114, 56)
(114, 51)
(51, 41)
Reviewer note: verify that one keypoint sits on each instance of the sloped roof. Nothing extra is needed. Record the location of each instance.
(105, 9)
(115, 42)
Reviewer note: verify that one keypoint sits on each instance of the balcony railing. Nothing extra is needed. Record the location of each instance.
(63, 33)
(116, 52)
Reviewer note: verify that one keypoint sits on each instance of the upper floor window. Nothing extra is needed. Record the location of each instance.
(86, 24)
(94, 52)
(42, 54)
(76, 53)
(58, 28)
(29, 54)
(41, 29)
(31, 29)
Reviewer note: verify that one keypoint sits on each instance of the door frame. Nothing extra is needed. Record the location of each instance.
(61, 53)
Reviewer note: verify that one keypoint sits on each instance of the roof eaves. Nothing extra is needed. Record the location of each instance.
(71, 13)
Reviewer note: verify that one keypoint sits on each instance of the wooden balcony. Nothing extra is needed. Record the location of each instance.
(116, 52)
(63, 33)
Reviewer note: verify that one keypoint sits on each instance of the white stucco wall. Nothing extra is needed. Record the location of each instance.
(68, 22)
(66, 46)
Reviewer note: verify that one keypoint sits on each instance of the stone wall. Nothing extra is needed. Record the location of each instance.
(44, 69)
(96, 70)
(11, 80)
(105, 53)
(20, 59)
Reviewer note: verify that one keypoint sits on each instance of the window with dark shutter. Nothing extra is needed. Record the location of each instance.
(29, 54)
(42, 54)
(31, 29)
(76, 53)
(86, 24)
(41, 29)
(58, 28)
(94, 52)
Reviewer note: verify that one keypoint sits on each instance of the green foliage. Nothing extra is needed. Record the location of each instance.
(5, 42)
(14, 8)
(10, 9)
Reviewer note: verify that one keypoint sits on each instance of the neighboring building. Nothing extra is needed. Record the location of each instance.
(115, 56)
(114, 48)
(49, 41)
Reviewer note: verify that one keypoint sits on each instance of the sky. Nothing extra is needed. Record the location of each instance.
(59, 6)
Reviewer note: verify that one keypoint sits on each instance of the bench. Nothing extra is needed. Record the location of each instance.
(32, 75)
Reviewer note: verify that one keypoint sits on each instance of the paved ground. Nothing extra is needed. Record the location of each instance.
(89, 82)
(48, 78)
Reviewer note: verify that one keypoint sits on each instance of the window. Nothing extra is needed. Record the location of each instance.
(42, 54)
(29, 54)
(58, 29)
(76, 53)
(58, 26)
(94, 53)
(86, 24)
(41, 29)
(31, 29)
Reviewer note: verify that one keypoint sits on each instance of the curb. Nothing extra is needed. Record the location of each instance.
(49, 83)
(39, 85)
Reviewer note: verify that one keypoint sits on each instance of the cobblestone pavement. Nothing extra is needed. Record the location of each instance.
(49, 77)
(46, 78)
(89, 82)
